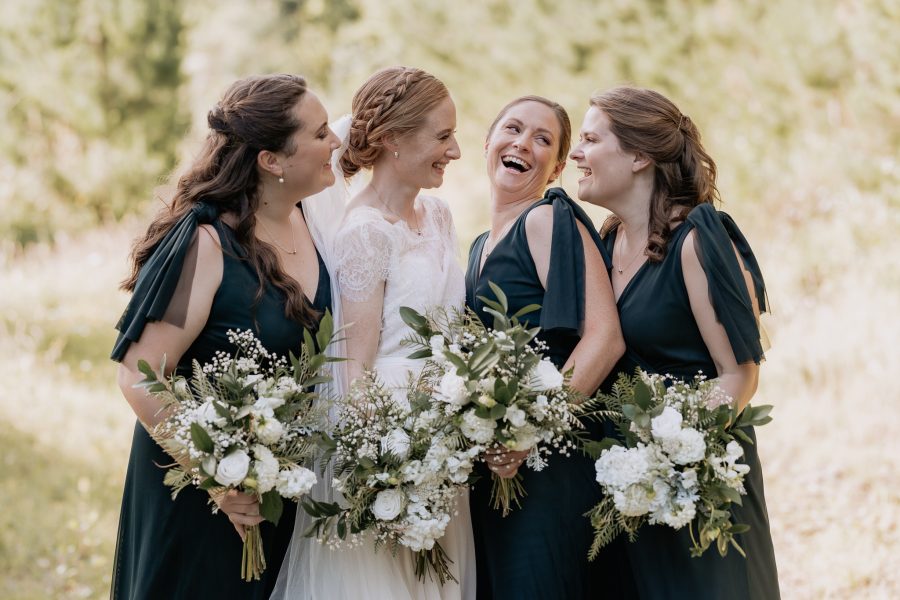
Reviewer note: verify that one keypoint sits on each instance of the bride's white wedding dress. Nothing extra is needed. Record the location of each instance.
(418, 269)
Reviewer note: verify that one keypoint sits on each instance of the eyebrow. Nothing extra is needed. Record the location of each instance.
(539, 129)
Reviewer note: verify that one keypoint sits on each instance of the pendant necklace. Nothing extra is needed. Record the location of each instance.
(274, 241)
(417, 229)
(620, 269)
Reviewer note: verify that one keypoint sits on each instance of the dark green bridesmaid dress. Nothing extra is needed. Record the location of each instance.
(661, 336)
(539, 551)
(178, 549)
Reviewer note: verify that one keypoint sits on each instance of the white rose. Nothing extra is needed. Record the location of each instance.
(452, 389)
(546, 376)
(269, 431)
(397, 443)
(667, 425)
(477, 429)
(295, 482)
(265, 406)
(233, 468)
(388, 504)
(515, 416)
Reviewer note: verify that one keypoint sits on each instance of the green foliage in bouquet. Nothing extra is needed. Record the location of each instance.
(247, 421)
(673, 462)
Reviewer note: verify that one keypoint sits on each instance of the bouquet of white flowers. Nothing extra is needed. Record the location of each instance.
(679, 464)
(400, 471)
(245, 422)
(497, 386)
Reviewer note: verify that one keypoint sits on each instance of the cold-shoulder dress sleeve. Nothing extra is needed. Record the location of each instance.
(158, 280)
(563, 305)
(717, 237)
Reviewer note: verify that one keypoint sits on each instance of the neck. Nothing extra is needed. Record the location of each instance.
(398, 196)
(274, 205)
(505, 209)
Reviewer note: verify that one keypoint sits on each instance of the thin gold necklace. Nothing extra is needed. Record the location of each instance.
(417, 229)
(490, 247)
(274, 241)
(620, 268)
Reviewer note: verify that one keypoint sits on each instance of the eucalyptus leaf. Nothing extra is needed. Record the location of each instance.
(271, 506)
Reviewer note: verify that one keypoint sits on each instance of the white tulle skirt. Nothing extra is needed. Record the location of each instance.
(312, 571)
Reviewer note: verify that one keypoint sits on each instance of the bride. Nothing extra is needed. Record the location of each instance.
(393, 248)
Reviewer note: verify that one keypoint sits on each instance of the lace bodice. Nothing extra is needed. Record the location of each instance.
(419, 271)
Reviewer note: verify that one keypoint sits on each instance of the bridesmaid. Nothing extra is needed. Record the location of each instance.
(689, 294)
(542, 249)
(232, 251)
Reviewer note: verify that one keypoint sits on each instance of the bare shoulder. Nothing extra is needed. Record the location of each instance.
(539, 223)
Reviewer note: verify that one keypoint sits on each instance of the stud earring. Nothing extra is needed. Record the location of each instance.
(281, 180)
(396, 154)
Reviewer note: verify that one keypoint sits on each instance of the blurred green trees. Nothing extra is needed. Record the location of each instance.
(99, 95)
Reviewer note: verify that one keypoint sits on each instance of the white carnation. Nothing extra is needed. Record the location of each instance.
(295, 482)
(667, 425)
(207, 415)
(269, 430)
(546, 376)
(266, 467)
(233, 468)
(396, 442)
(388, 504)
(515, 416)
(687, 447)
(619, 467)
(477, 429)
(452, 389)
(421, 533)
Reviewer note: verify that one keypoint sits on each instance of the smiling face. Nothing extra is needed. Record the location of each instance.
(522, 150)
(308, 170)
(608, 172)
(424, 154)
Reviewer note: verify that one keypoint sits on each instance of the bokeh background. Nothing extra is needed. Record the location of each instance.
(798, 100)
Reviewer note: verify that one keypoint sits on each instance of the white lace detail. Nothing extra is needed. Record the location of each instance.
(419, 271)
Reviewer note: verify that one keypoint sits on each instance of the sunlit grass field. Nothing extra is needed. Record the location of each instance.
(831, 456)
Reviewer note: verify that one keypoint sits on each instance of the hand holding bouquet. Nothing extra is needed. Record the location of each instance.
(679, 464)
(498, 388)
(245, 422)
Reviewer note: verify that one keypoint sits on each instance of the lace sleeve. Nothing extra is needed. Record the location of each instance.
(365, 251)
(443, 220)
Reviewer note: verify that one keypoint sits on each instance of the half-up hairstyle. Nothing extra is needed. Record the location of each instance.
(255, 114)
(646, 122)
(394, 101)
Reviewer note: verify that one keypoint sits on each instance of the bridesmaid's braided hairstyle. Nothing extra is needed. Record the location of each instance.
(393, 101)
(647, 122)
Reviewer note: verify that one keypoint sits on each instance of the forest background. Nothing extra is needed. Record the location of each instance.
(799, 103)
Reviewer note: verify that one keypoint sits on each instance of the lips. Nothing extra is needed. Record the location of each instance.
(586, 172)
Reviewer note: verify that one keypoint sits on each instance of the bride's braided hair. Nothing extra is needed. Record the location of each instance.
(393, 101)
(647, 122)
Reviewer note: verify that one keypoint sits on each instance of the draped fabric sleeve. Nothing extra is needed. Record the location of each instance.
(159, 279)
(717, 236)
(366, 249)
(563, 306)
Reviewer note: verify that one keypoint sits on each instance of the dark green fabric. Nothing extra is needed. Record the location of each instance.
(158, 278)
(540, 550)
(179, 549)
(662, 336)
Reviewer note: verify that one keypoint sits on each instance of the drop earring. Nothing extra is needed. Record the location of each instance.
(396, 154)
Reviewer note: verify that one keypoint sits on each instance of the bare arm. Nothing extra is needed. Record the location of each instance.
(161, 339)
(601, 343)
(364, 332)
(738, 381)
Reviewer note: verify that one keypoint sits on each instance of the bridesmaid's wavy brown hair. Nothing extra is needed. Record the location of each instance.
(648, 123)
(255, 114)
